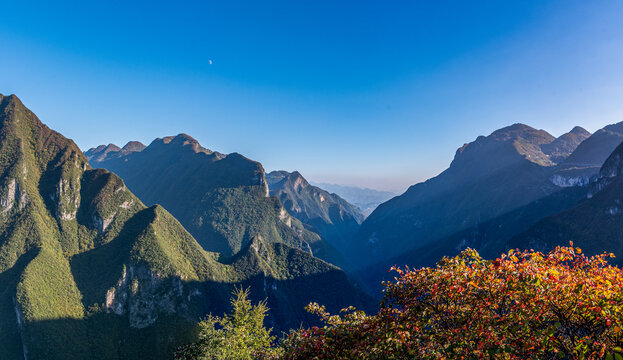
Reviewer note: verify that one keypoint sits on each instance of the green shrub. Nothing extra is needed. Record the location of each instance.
(237, 336)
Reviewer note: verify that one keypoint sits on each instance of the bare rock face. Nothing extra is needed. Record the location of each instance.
(144, 295)
(563, 181)
(10, 196)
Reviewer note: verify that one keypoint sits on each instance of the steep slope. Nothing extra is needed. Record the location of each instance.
(332, 217)
(595, 224)
(88, 272)
(487, 178)
(222, 200)
(365, 199)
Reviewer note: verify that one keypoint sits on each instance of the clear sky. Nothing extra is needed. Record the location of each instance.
(371, 93)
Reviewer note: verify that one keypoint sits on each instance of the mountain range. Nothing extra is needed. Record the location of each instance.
(118, 252)
(496, 188)
(222, 200)
(88, 271)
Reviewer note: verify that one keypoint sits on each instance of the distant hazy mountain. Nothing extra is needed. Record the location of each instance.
(559, 149)
(89, 272)
(489, 177)
(106, 152)
(365, 199)
(595, 224)
(332, 217)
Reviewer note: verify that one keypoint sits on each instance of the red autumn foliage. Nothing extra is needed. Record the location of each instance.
(524, 305)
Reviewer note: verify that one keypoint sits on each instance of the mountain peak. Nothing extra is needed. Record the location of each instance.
(101, 152)
(519, 130)
(184, 141)
(516, 127)
(133, 146)
(112, 147)
(517, 142)
(595, 149)
(276, 176)
(561, 148)
(104, 152)
(10, 98)
(578, 130)
(298, 181)
(180, 138)
(19, 123)
(293, 180)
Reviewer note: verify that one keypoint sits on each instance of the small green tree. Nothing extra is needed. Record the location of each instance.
(237, 336)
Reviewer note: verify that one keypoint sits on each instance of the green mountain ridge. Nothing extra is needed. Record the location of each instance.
(89, 272)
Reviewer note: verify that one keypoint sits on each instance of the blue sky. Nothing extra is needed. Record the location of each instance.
(371, 93)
